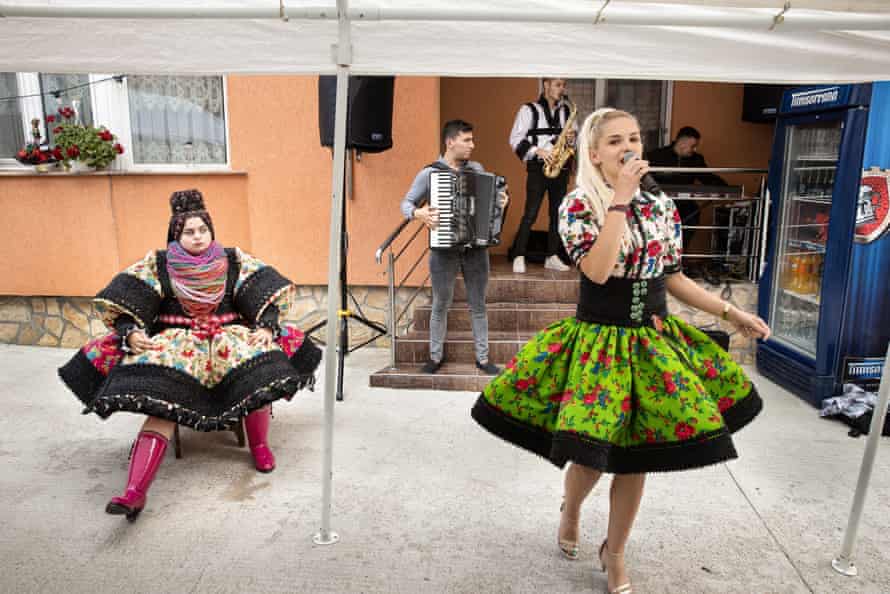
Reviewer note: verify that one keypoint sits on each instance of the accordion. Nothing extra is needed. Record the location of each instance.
(470, 213)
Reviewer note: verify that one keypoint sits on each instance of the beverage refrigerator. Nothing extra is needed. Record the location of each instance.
(825, 288)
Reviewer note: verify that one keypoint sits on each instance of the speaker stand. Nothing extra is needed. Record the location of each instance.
(345, 314)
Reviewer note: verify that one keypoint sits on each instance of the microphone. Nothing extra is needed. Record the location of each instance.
(647, 182)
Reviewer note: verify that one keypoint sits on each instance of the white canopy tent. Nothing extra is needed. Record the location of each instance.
(799, 41)
(813, 41)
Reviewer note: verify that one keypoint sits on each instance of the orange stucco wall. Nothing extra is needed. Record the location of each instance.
(68, 235)
(492, 119)
(58, 235)
(715, 109)
(140, 217)
(274, 137)
(381, 180)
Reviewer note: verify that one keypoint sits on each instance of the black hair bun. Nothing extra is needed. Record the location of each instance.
(185, 201)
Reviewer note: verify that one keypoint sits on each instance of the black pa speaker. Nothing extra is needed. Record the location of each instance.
(761, 103)
(369, 114)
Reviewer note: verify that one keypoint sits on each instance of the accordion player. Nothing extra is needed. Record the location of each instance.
(469, 206)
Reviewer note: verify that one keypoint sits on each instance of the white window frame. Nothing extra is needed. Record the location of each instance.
(667, 111)
(28, 83)
(174, 167)
(667, 97)
(667, 102)
(111, 108)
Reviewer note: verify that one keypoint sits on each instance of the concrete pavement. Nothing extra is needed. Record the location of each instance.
(424, 501)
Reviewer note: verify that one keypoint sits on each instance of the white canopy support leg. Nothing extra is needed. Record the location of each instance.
(343, 58)
(843, 563)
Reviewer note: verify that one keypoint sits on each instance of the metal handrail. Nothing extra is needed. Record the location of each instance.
(414, 266)
(378, 255)
(408, 243)
(707, 170)
(411, 300)
(756, 226)
(394, 319)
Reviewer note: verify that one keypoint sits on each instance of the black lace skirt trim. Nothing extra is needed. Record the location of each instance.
(176, 396)
(81, 377)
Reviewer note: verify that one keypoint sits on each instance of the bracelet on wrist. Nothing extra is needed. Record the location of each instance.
(125, 340)
(271, 327)
(726, 308)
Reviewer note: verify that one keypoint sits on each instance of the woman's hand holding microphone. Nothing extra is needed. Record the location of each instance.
(629, 177)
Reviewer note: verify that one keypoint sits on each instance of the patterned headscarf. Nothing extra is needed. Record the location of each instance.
(199, 282)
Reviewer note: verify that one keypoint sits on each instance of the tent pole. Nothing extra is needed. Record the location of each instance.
(649, 15)
(343, 57)
(843, 563)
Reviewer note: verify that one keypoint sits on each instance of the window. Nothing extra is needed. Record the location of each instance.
(648, 100)
(164, 122)
(12, 132)
(76, 96)
(177, 119)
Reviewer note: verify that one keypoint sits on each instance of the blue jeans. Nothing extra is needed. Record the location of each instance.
(444, 265)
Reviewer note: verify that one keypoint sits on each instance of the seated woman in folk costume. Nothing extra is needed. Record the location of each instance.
(196, 342)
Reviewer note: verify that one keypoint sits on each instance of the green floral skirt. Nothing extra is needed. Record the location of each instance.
(621, 399)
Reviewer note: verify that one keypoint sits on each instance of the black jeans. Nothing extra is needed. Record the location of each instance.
(536, 185)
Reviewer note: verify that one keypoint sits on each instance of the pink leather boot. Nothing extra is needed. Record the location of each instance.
(256, 425)
(148, 452)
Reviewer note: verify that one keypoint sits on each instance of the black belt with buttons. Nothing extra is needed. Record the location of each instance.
(622, 301)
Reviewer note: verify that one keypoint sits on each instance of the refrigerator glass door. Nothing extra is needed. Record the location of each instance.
(810, 163)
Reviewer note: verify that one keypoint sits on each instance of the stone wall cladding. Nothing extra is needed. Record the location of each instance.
(744, 296)
(48, 321)
(72, 321)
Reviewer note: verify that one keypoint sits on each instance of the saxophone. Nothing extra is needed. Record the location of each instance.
(561, 152)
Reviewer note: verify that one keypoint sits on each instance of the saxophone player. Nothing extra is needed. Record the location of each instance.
(542, 131)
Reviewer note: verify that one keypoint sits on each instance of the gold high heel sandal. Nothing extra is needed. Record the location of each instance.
(569, 548)
(624, 588)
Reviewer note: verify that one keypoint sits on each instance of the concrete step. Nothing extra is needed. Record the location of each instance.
(536, 285)
(451, 376)
(519, 305)
(501, 316)
(502, 345)
(522, 288)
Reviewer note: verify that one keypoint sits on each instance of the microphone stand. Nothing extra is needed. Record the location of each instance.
(345, 314)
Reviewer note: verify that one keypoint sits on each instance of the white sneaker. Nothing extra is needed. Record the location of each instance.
(554, 263)
(519, 265)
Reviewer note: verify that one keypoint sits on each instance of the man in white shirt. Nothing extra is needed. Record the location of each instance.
(535, 129)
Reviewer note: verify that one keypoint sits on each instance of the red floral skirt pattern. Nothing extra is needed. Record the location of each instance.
(619, 392)
(207, 358)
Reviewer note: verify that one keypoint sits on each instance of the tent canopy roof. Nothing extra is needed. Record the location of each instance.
(726, 40)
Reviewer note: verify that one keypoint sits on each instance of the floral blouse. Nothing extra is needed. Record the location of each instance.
(654, 223)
